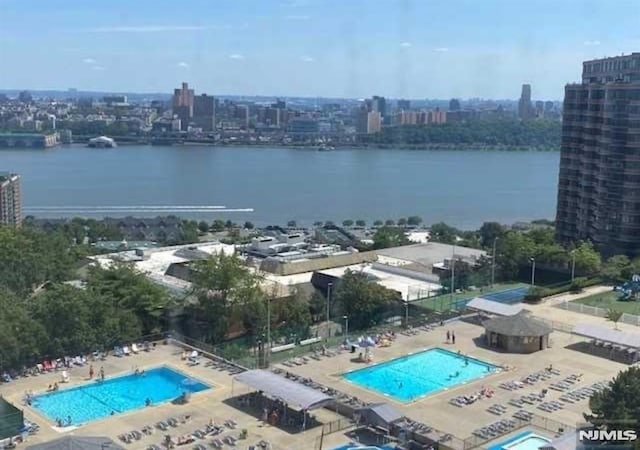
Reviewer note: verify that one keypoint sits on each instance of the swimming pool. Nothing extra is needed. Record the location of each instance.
(100, 399)
(527, 440)
(417, 375)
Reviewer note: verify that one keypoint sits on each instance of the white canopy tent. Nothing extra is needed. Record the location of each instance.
(605, 334)
(493, 307)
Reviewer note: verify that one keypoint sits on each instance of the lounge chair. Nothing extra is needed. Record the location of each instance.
(126, 351)
(134, 349)
(65, 377)
(117, 351)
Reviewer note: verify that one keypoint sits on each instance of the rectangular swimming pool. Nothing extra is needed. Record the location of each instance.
(99, 399)
(527, 440)
(414, 376)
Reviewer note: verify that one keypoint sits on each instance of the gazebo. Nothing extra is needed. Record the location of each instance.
(519, 333)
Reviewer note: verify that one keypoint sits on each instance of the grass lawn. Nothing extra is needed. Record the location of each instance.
(608, 300)
(443, 302)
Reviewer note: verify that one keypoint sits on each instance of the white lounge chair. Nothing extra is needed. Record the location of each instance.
(65, 376)
(126, 351)
(135, 349)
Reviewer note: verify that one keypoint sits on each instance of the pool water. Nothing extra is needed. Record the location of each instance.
(99, 399)
(417, 375)
(523, 441)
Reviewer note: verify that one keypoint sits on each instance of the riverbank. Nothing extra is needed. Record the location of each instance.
(128, 141)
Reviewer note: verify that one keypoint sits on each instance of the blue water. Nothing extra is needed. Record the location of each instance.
(461, 188)
(417, 375)
(96, 400)
(523, 441)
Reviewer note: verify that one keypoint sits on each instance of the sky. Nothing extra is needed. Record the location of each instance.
(314, 48)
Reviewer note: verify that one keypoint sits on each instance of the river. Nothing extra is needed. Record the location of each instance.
(274, 185)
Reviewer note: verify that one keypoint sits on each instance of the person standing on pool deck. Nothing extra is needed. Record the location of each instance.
(102, 373)
(453, 337)
(448, 336)
(91, 371)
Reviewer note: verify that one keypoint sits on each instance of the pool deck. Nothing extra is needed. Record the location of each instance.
(434, 409)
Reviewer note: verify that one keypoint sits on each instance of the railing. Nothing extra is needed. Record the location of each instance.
(596, 311)
(543, 423)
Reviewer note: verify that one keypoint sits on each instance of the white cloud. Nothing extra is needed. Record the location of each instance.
(297, 17)
(236, 56)
(143, 29)
(591, 43)
(89, 61)
(307, 59)
(441, 49)
(99, 68)
(405, 44)
(183, 64)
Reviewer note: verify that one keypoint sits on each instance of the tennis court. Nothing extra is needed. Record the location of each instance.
(508, 296)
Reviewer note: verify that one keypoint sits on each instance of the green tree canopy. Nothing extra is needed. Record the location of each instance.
(414, 221)
(619, 403)
(361, 299)
(489, 231)
(441, 232)
(386, 237)
(588, 260)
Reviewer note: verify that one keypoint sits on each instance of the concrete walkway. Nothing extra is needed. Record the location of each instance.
(548, 309)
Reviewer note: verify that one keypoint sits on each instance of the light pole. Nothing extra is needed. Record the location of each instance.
(268, 357)
(406, 314)
(533, 272)
(493, 262)
(346, 328)
(573, 265)
(453, 272)
(328, 308)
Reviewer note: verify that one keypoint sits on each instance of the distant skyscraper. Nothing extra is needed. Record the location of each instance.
(548, 107)
(368, 121)
(25, 97)
(539, 108)
(404, 105)
(454, 104)
(10, 199)
(599, 182)
(525, 110)
(183, 99)
(280, 104)
(204, 112)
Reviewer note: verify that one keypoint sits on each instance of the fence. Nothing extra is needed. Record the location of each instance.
(627, 318)
(543, 423)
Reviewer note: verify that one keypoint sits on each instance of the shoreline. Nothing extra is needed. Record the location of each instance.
(337, 146)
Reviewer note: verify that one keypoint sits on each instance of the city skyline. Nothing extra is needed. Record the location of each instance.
(311, 48)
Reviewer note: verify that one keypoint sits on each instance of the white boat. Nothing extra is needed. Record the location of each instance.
(102, 142)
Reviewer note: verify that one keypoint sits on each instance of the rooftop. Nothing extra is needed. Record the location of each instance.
(431, 253)
(520, 324)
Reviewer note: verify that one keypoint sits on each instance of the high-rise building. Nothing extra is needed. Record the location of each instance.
(204, 112)
(404, 105)
(368, 122)
(10, 199)
(539, 108)
(525, 110)
(548, 107)
(599, 183)
(454, 104)
(183, 100)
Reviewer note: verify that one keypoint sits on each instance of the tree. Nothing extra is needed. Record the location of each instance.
(223, 289)
(386, 237)
(218, 225)
(347, 223)
(618, 403)
(414, 221)
(512, 251)
(536, 294)
(362, 300)
(291, 315)
(132, 291)
(377, 223)
(292, 224)
(361, 223)
(587, 258)
(489, 231)
(317, 224)
(318, 306)
(22, 339)
(614, 269)
(329, 223)
(389, 222)
(248, 225)
(203, 226)
(462, 276)
(441, 232)
(614, 316)
(402, 222)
